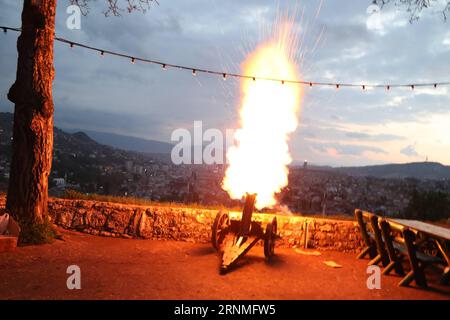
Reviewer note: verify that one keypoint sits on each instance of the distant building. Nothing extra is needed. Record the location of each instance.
(139, 169)
(129, 165)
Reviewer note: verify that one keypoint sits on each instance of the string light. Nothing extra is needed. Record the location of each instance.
(235, 75)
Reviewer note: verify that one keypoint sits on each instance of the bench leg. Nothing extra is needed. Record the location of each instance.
(380, 245)
(396, 265)
(445, 279)
(444, 248)
(416, 269)
(407, 279)
(366, 251)
(394, 257)
(375, 261)
(399, 268)
(370, 246)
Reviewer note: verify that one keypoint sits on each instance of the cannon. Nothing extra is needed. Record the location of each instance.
(234, 238)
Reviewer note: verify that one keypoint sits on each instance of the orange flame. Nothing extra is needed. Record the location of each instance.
(268, 114)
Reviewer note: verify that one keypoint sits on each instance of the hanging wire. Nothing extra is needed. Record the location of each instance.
(224, 75)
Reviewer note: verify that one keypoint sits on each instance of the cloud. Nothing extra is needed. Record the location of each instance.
(373, 137)
(339, 149)
(322, 133)
(409, 151)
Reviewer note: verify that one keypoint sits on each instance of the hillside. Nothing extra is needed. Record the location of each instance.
(418, 170)
(78, 157)
(127, 142)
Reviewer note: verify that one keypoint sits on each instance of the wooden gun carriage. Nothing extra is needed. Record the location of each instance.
(234, 238)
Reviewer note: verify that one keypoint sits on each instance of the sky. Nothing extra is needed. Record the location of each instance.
(339, 41)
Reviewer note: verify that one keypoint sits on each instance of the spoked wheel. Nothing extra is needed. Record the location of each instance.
(219, 229)
(269, 238)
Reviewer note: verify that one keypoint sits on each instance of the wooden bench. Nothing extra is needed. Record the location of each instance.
(402, 242)
(389, 243)
(8, 241)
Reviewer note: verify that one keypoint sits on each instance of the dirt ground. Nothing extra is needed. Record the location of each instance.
(143, 269)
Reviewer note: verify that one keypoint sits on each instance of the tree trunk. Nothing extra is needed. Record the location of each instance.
(33, 114)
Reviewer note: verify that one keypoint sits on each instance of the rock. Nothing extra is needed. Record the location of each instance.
(96, 219)
(145, 227)
(118, 220)
(326, 228)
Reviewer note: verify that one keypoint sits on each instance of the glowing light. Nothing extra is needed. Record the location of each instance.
(268, 114)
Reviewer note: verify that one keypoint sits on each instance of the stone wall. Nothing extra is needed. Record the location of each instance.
(192, 224)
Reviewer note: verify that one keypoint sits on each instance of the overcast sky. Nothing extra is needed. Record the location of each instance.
(337, 127)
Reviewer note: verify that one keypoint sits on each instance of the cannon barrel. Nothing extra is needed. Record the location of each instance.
(247, 213)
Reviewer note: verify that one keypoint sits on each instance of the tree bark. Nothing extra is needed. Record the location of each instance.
(33, 114)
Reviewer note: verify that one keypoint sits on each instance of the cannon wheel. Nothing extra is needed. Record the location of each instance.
(219, 229)
(269, 238)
